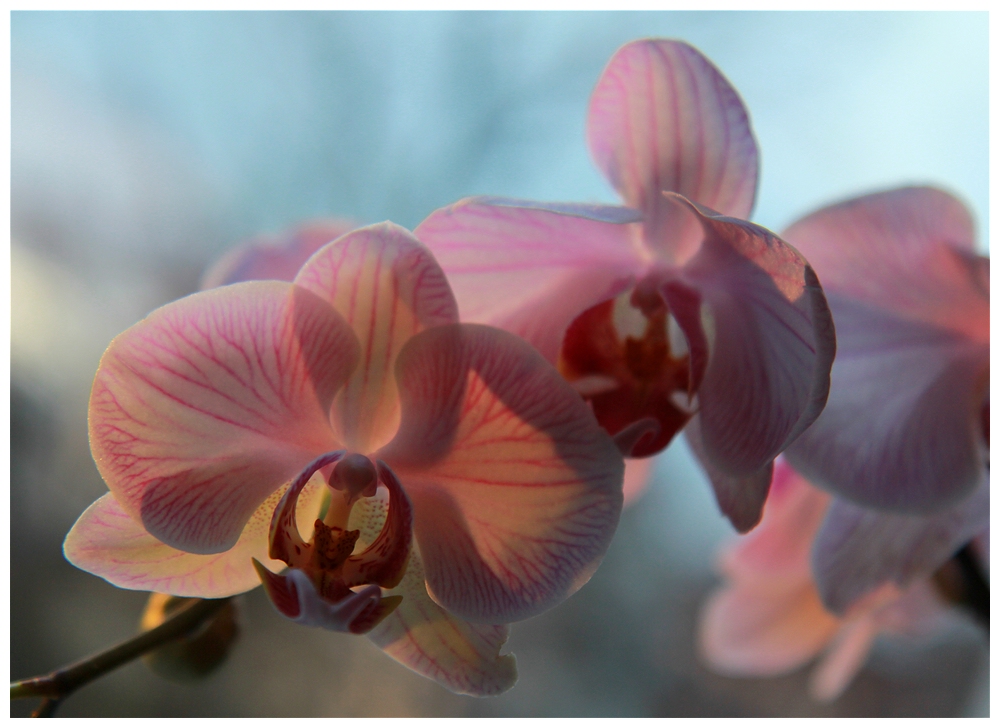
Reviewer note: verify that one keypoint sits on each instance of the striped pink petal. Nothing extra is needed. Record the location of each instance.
(858, 549)
(772, 343)
(463, 657)
(909, 252)
(388, 287)
(516, 490)
(276, 258)
(531, 268)
(663, 118)
(202, 410)
(106, 541)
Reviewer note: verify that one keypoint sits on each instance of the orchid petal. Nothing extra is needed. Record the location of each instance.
(463, 657)
(857, 549)
(741, 499)
(908, 252)
(516, 490)
(638, 475)
(274, 259)
(901, 429)
(531, 268)
(388, 287)
(294, 595)
(764, 627)
(771, 349)
(780, 545)
(663, 118)
(106, 541)
(843, 660)
(203, 409)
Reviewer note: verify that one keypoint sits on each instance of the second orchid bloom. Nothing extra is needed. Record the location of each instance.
(672, 312)
(425, 481)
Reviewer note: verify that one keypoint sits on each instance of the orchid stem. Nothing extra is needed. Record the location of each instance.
(59, 684)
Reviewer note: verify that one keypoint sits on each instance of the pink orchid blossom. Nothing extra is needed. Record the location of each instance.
(769, 618)
(673, 312)
(904, 438)
(425, 482)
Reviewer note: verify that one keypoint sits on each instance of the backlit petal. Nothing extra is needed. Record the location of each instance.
(463, 657)
(662, 118)
(772, 343)
(388, 288)
(901, 429)
(763, 627)
(516, 490)
(857, 549)
(908, 251)
(108, 542)
(531, 268)
(203, 409)
(274, 258)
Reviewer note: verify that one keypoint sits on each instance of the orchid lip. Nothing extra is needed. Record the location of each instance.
(319, 587)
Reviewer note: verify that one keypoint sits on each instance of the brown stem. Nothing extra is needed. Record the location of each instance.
(57, 685)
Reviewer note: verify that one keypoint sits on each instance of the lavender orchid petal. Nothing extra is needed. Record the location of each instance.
(772, 344)
(857, 549)
(901, 429)
(741, 498)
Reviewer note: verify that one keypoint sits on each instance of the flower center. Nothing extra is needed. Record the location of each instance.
(629, 357)
(318, 589)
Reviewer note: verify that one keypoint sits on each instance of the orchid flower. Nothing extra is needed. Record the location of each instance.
(669, 313)
(904, 437)
(420, 480)
(769, 618)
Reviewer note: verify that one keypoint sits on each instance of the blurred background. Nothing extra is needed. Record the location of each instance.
(144, 145)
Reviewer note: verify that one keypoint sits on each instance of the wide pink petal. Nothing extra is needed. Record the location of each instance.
(203, 409)
(388, 287)
(772, 342)
(106, 541)
(858, 549)
(663, 118)
(902, 427)
(764, 627)
(531, 268)
(463, 657)
(908, 251)
(273, 258)
(516, 490)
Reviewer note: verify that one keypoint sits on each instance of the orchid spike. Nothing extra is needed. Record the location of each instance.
(906, 428)
(673, 308)
(419, 480)
(769, 619)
